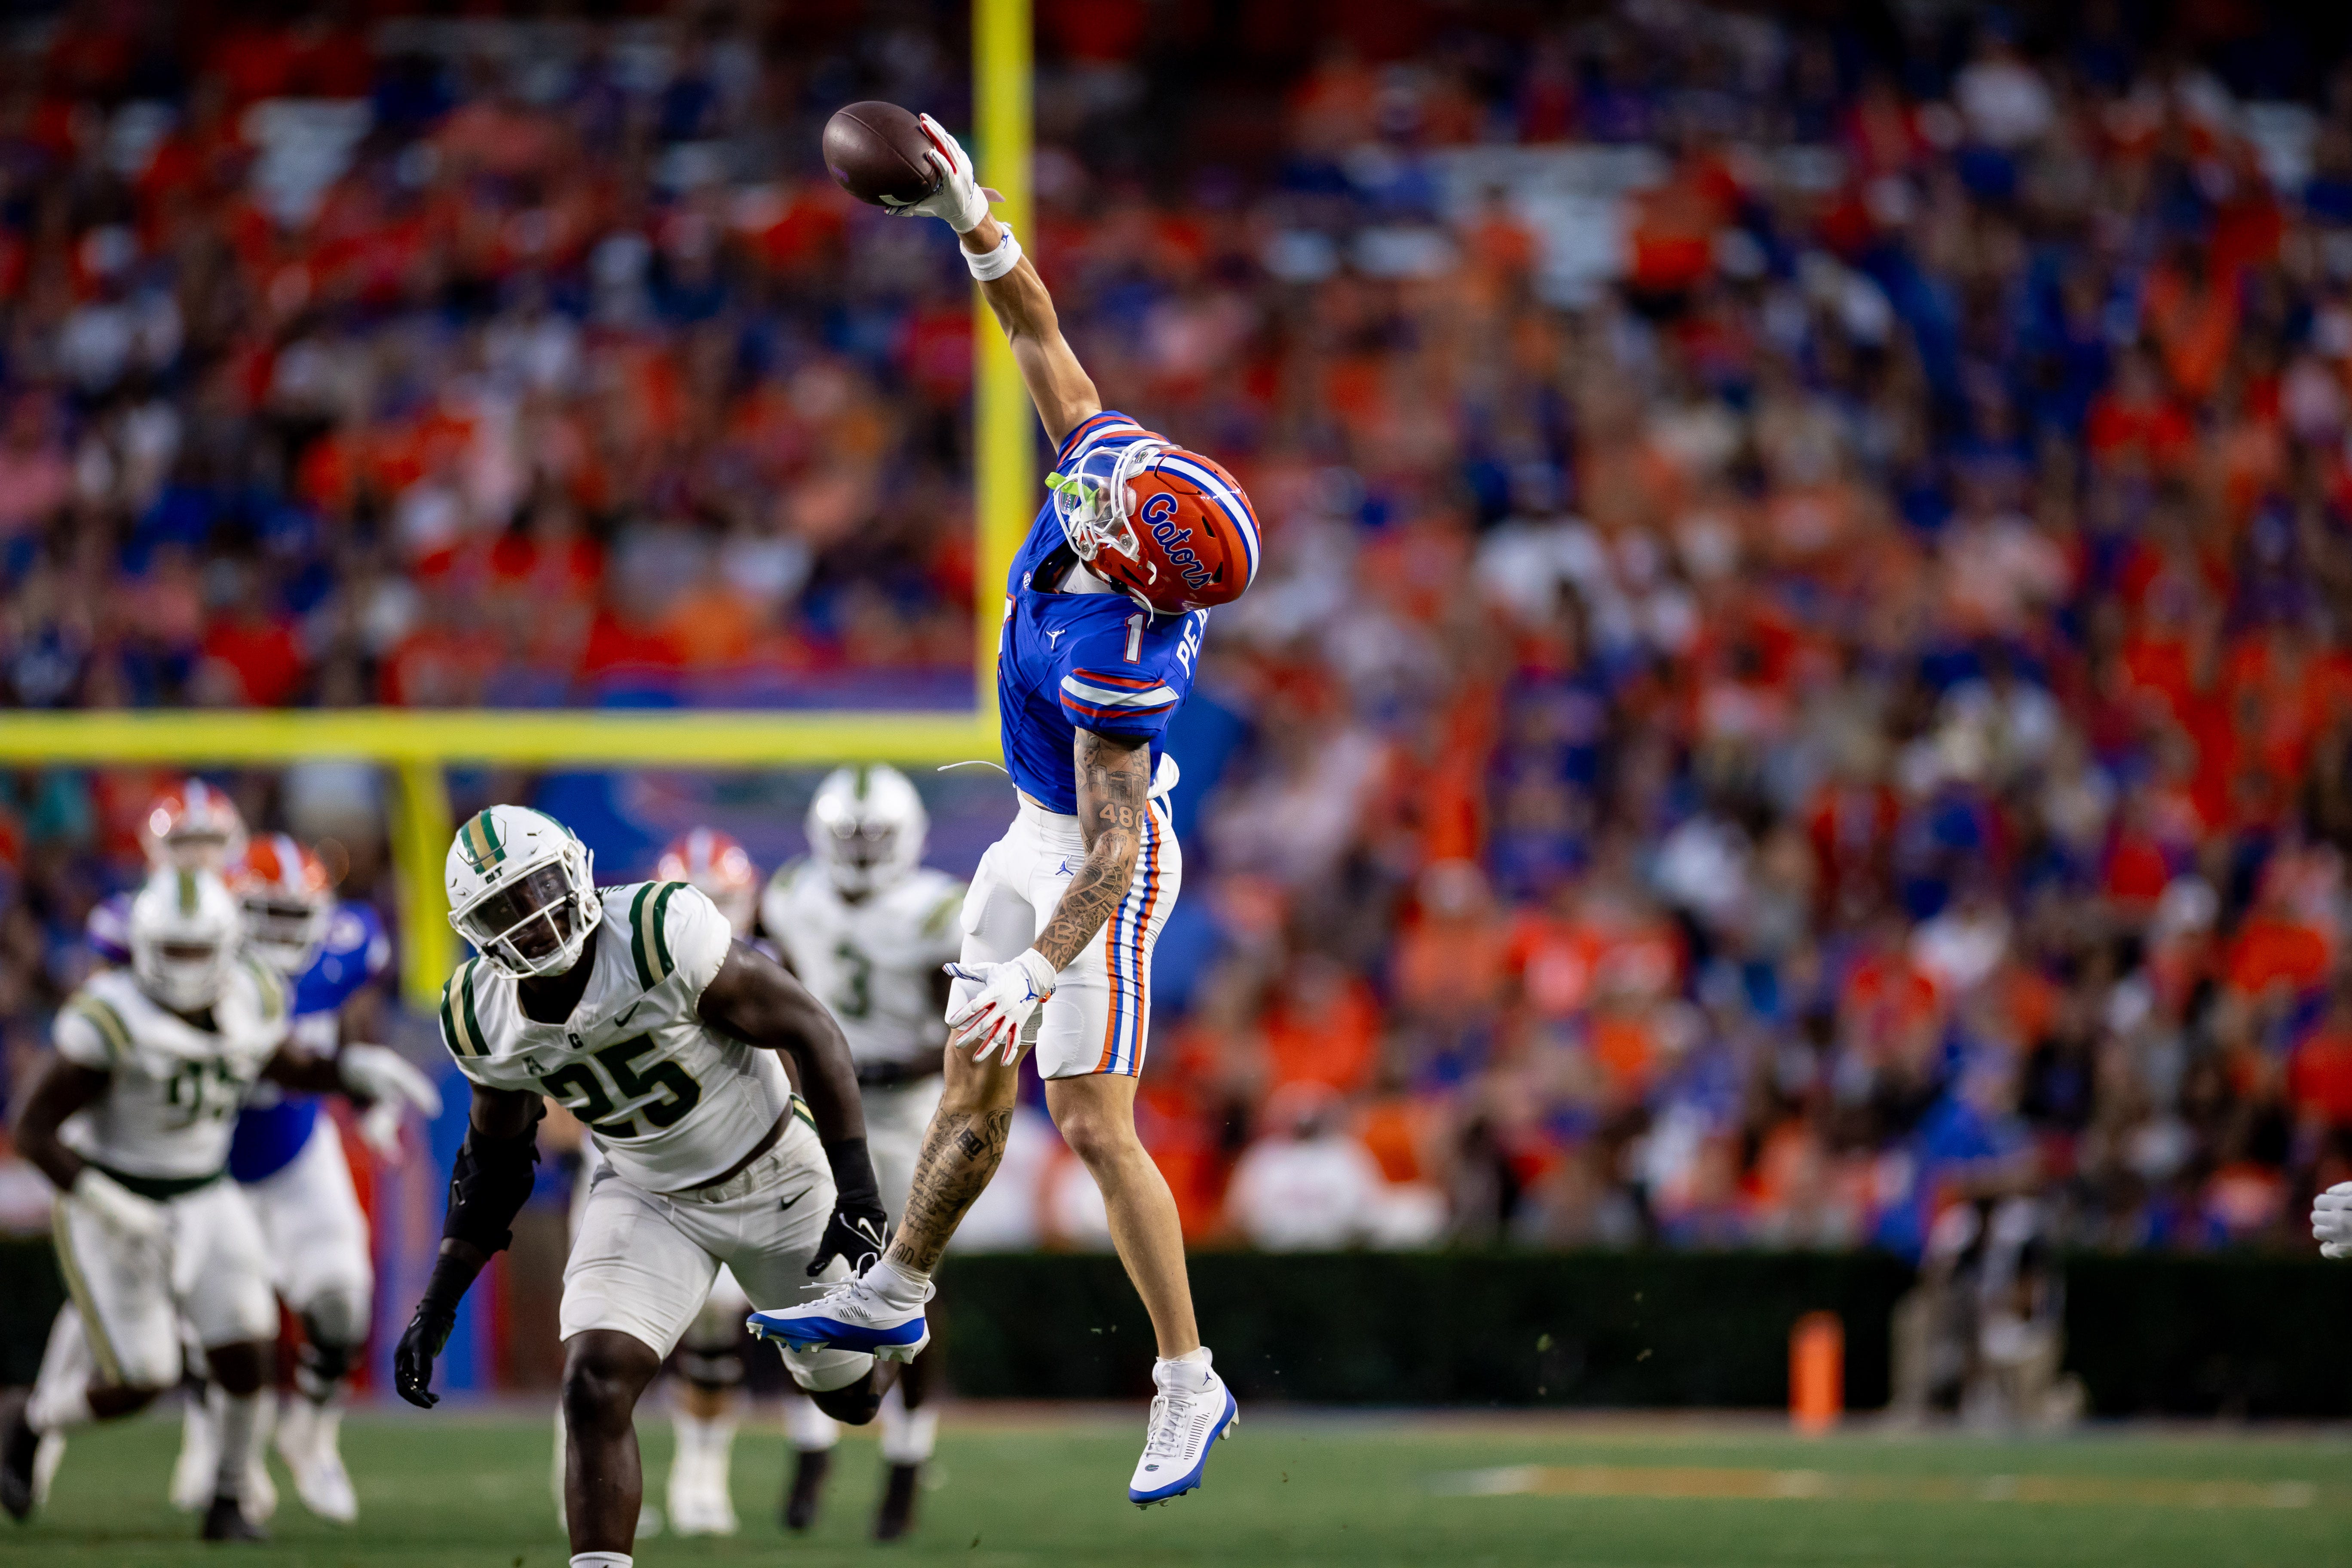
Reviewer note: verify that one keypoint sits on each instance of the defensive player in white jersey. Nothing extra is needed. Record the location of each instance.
(1106, 606)
(132, 1121)
(867, 926)
(635, 1009)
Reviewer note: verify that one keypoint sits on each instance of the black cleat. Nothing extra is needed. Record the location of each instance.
(226, 1521)
(897, 1514)
(809, 1467)
(18, 1444)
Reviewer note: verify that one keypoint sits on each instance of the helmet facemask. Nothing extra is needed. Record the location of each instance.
(186, 973)
(866, 829)
(284, 932)
(860, 853)
(183, 938)
(1093, 506)
(538, 922)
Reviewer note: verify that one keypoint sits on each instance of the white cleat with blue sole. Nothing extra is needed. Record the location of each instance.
(849, 1315)
(1193, 1409)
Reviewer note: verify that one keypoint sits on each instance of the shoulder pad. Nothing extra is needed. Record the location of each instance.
(461, 1026)
(648, 919)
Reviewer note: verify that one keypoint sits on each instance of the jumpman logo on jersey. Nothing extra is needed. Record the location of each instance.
(1054, 638)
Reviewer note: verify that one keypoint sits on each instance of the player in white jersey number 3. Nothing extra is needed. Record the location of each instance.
(635, 1009)
(1105, 609)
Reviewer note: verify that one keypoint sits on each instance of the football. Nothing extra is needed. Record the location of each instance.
(875, 149)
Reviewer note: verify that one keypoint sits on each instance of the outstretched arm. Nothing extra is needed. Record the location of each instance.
(756, 1001)
(1065, 394)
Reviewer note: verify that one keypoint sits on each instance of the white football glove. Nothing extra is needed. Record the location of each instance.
(2331, 1221)
(1009, 996)
(382, 1075)
(140, 1224)
(960, 199)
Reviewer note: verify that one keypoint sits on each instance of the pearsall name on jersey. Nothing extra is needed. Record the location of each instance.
(671, 1101)
(175, 1089)
(1067, 662)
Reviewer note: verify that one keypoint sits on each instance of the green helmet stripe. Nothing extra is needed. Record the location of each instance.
(187, 892)
(479, 843)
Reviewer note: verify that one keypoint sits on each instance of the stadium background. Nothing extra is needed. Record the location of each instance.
(1801, 679)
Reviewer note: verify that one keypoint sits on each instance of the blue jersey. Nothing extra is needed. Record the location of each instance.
(108, 929)
(1067, 662)
(273, 1126)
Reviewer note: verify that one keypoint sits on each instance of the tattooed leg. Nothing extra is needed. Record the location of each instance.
(961, 1151)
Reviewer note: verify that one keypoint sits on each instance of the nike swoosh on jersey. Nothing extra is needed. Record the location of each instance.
(793, 1199)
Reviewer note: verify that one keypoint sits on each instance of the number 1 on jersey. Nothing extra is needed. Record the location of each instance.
(1135, 637)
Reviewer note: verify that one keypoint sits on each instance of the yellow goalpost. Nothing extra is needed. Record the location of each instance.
(417, 746)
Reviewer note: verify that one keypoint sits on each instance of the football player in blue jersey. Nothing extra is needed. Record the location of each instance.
(1104, 612)
(288, 1158)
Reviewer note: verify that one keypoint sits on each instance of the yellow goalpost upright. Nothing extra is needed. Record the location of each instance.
(417, 746)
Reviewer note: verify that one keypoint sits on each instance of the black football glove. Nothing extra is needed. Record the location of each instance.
(859, 1229)
(412, 1360)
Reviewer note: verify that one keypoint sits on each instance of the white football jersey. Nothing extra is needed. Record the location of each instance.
(173, 1090)
(872, 961)
(671, 1101)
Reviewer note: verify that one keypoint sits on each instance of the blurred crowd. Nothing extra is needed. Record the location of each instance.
(1801, 672)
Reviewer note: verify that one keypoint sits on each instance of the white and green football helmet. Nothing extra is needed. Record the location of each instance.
(522, 890)
(185, 930)
(866, 827)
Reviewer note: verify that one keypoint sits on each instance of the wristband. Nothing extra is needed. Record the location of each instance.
(990, 266)
(853, 1172)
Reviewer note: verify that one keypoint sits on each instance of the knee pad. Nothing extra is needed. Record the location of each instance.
(852, 1405)
(339, 1317)
(318, 1367)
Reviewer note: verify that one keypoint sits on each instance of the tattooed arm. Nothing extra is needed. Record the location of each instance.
(967, 1132)
(1114, 785)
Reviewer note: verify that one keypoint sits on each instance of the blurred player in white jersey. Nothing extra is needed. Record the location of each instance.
(635, 1009)
(132, 1120)
(867, 926)
(291, 1166)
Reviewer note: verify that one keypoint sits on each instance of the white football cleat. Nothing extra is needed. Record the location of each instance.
(850, 1316)
(194, 1472)
(307, 1441)
(1191, 1411)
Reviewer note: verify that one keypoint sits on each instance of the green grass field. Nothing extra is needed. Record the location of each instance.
(454, 1488)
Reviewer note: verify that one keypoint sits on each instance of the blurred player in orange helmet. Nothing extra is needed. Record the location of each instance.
(193, 825)
(718, 867)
